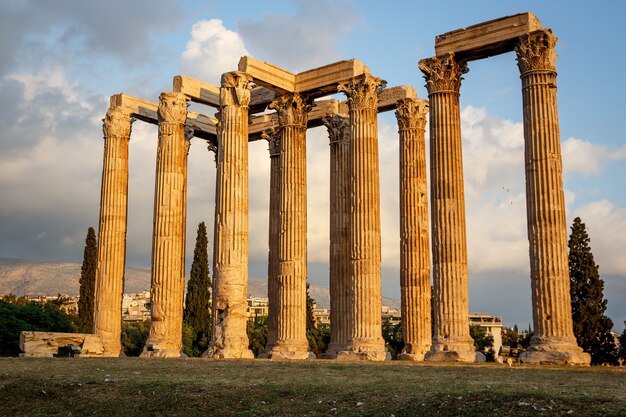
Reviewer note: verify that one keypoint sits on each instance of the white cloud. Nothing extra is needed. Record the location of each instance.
(298, 41)
(211, 51)
(588, 158)
(606, 224)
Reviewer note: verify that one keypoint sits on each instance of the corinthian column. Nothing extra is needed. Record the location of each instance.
(230, 275)
(365, 339)
(553, 340)
(414, 242)
(339, 278)
(291, 341)
(112, 231)
(451, 341)
(274, 233)
(168, 245)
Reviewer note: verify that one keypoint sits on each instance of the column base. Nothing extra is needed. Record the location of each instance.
(551, 351)
(333, 349)
(291, 356)
(457, 350)
(162, 354)
(228, 354)
(413, 357)
(369, 355)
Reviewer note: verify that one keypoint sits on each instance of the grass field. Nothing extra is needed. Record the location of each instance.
(196, 387)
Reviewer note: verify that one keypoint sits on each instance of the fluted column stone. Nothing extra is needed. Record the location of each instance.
(414, 242)
(168, 266)
(553, 340)
(451, 341)
(274, 233)
(339, 266)
(112, 231)
(290, 291)
(365, 341)
(230, 274)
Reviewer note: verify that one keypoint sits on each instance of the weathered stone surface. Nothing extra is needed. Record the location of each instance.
(451, 340)
(290, 290)
(488, 38)
(273, 138)
(553, 340)
(47, 344)
(365, 339)
(112, 231)
(230, 259)
(414, 242)
(168, 245)
(339, 266)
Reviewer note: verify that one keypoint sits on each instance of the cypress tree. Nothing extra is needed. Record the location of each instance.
(88, 281)
(591, 326)
(198, 302)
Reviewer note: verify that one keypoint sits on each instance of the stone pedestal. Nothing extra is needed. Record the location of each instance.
(553, 341)
(112, 231)
(452, 341)
(290, 290)
(274, 233)
(365, 340)
(230, 274)
(414, 243)
(168, 266)
(339, 267)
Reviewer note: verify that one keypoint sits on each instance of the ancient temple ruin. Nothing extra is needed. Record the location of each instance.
(355, 261)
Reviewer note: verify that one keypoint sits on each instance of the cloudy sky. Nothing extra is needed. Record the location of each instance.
(61, 60)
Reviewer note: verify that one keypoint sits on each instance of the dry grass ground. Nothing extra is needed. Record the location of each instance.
(196, 387)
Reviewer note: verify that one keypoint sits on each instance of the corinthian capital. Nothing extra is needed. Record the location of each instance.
(535, 51)
(443, 73)
(172, 108)
(292, 110)
(117, 123)
(272, 137)
(235, 89)
(362, 91)
(338, 127)
(411, 113)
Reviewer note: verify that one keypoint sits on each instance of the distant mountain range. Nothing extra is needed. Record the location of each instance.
(21, 277)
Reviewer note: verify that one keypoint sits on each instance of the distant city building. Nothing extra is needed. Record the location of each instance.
(391, 315)
(492, 326)
(136, 306)
(257, 308)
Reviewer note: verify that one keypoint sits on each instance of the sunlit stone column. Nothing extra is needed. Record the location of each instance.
(274, 233)
(365, 339)
(451, 341)
(553, 340)
(230, 275)
(339, 265)
(168, 267)
(414, 242)
(290, 291)
(112, 231)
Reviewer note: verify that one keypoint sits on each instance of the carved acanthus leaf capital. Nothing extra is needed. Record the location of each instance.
(362, 91)
(338, 127)
(117, 123)
(292, 110)
(536, 51)
(172, 108)
(212, 147)
(272, 136)
(235, 89)
(443, 73)
(411, 113)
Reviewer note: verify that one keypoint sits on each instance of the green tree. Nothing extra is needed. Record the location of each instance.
(31, 316)
(197, 313)
(257, 335)
(134, 336)
(88, 282)
(482, 341)
(392, 334)
(591, 326)
(310, 305)
(318, 335)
